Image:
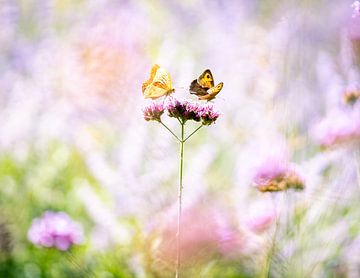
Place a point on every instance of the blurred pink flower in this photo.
(205, 232)
(276, 174)
(55, 229)
(261, 222)
(337, 127)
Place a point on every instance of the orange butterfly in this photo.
(203, 86)
(159, 83)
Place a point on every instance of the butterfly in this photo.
(159, 83)
(203, 86)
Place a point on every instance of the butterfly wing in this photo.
(206, 80)
(160, 84)
(196, 89)
(152, 91)
(212, 92)
(162, 79)
(152, 75)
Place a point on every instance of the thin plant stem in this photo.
(357, 164)
(180, 121)
(193, 133)
(178, 234)
(177, 138)
(269, 257)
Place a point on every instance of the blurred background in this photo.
(73, 137)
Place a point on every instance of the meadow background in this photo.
(73, 137)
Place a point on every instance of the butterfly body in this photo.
(159, 84)
(203, 87)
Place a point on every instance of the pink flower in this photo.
(208, 114)
(186, 110)
(260, 223)
(55, 229)
(205, 232)
(153, 111)
(275, 174)
(337, 128)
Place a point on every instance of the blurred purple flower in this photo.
(337, 128)
(55, 229)
(356, 9)
(186, 110)
(276, 174)
(153, 111)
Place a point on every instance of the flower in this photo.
(197, 243)
(208, 114)
(55, 229)
(277, 175)
(185, 110)
(176, 108)
(351, 96)
(261, 222)
(356, 9)
(338, 127)
(153, 111)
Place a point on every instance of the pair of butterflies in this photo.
(160, 84)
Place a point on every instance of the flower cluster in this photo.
(55, 229)
(337, 128)
(153, 111)
(184, 110)
(276, 175)
(356, 9)
(208, 114)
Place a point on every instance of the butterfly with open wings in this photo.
(203, 87)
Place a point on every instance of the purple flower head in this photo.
(176, 108)
(356, 9)
(153, 111)
(55, 229)
(192, 111)
(338, 127)
(208, 114)
(186, 110)
(276, 175)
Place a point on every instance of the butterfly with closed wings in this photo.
(203, 87)
(159, 84)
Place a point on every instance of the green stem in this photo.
(269, 257)
(181, 163)
(193, 133)
(177, 138)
